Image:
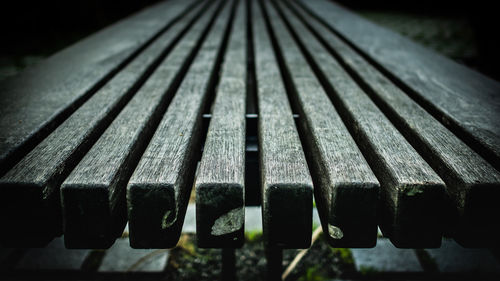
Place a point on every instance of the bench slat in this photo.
(132, 103)
(220, 193)
(412, 193)
(42, 170)
(346, 189)
(465, 101)
(158, 191)
(471, 181)
(93, 195)
(285, 179)
(38, 100)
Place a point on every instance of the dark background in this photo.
(472, 23)
(466, 31)
(43, 27)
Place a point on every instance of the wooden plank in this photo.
(30, 190)
(346, 190)
(471, 181)
(412, 193)
(462, 99)
(35, 102)
(93, 195)
(285, 180)
(159, 189)
(220, 193)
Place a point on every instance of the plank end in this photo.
(155, 220)
(415, 219)
(352, 222)
(287, 215)
(220, 215)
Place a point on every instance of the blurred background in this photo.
(465, 31)
(461, 30)
(32, 30)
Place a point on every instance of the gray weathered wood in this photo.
(93, 195)
(464, 100)
(220, 193)
(346, 190)
(30, 190)
(285, 179)
(159, 189)
(471, 181)
(346, 97)
(33, 103)
(412, 193)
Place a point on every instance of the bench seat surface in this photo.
(378, 130)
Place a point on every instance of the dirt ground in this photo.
(187, 262)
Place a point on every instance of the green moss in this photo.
(345, 255)
(367, 270)
(413, 191)
(253, 236)
(313, 274)
(186, 243)
(315, 225)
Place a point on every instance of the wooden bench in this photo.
(379, 130)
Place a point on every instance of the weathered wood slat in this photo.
(285, 179)
(159, 189)
(220, 186)
(412, 193)
(132, 101)
(346, 190)
(464, 100)
(472, 182)
(30, 190)
(33, 103)
(93, 195)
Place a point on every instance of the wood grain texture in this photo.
(346, 190)
(285, 179)
(83, 119)
(220, 181)
(159, 189)
(93, 195)
(412, 193)
(461, 98)
(472, 183)
(464, 171)
(43, 169)
(33, 103)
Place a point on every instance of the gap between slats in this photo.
(17, 154)
(449, 123)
